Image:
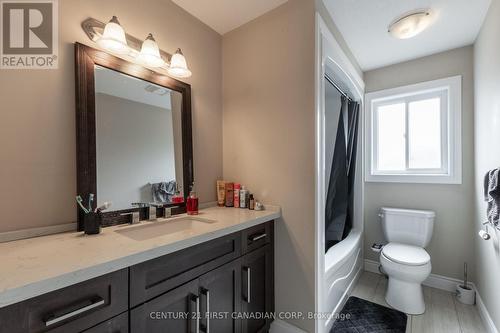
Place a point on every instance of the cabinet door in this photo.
(257, 290)
(220, 299)
(173, 312)
(118, 324)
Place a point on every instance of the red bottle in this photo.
(192, 204)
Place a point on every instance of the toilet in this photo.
(404, 258)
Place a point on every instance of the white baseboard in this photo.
(280, 326)
(433, 281)
(36, 232)
(371, 266)
(485, 315)
(448, 284)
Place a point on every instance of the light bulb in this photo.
(113, 38)
(178, 66)
(410, 25)
(150, 53)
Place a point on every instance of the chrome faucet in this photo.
(152, 213)
(168, 211)
(152, 207)
(135, 217)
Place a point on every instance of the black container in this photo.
(92, 223)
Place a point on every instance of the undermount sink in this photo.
(148, 230)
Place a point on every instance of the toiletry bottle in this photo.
(237, 188)
(221, 193)
(192, 203)
(251, 202)
(243, 197)
(229, 194)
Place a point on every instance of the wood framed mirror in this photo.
(133, 135)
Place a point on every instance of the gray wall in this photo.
(452, 241)
(268, 123)
(487, 153)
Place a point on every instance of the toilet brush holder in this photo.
(465, 294)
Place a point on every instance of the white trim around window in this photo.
(449, 92)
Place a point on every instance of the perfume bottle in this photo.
(192, 202)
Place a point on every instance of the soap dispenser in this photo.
(192, 202)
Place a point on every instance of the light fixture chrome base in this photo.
(94, 28)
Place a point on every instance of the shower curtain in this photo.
(339, 210)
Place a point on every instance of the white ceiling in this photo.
(364, 23)
(226, 15)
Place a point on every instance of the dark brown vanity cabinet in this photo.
(71, 309)
(235, 297)
(225, 285)
(257, 289)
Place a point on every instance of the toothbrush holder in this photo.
(92, 223)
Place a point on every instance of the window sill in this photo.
(414, 179)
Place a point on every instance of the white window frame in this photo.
(450, 92)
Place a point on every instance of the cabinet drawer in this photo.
(257, 236)
(157, 276)
(71, 309)
(118, 324)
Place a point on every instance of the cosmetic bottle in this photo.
(243, 197)
(221, 193)
(192, 203)
(229, 194)
(236, 200)
(251, 202)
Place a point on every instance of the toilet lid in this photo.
(406, 254)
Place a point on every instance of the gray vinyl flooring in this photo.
(443, 312)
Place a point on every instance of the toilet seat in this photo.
(406, 254)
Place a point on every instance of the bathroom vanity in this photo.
(152, 268)
(158, 283)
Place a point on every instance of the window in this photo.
(413, 133)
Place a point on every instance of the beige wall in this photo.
(268, 89)
(38, 173)
(487, 154)
(452, 241)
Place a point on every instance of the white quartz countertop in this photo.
(32, 267)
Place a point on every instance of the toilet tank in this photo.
(407, 226)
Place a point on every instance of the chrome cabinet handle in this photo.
(94, 303)
(256, 238)
(206, 292)
(196, 300)
(249, 275)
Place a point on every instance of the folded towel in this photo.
(492, 195)
(163, 192)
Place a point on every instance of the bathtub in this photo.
(343, 263)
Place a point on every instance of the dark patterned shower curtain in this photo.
(339, 210)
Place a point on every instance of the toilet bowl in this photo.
(407, 267)
(404, 258)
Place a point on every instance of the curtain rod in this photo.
(338, 88)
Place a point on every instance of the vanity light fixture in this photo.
(150, 53)
(410, 24)
(178, 65)
(113, 38)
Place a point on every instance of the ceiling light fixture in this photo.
(113, 38)
(410, 24)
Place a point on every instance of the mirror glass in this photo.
(138, 141)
